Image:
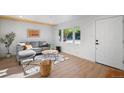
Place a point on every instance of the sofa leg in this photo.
(34, 58)
(19, 63)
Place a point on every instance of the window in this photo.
(77, 35)
(60, 35)
(68, 35)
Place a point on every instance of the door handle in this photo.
(97, 43)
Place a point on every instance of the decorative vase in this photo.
(8, 55)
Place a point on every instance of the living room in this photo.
(74, 35)
(61, 46)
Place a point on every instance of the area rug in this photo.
(59, 58)
(33, 66)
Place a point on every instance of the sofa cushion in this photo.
(37, 50)
(35, 44)
(21, 44)
(40, 43)
(26, 53)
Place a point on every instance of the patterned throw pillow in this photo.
(27, 46)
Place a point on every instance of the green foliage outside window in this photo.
(77, 33)
(68, 34)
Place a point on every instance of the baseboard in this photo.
(109, 66)
(80, 57)
(1, 56)
(4, 55)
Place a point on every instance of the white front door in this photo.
(109, 42)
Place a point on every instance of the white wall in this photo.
(87, 47)
(20, 29)
(0, 43)
(123, 40)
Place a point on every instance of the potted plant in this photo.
(7, 41)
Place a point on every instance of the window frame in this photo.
(73, 35)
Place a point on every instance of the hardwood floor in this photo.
(81, 68)
(74, 67)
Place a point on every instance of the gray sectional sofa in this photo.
(37, 47)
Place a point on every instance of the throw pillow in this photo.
(27, 46)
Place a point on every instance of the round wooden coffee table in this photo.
(50, 53)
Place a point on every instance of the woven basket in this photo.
(45, 68)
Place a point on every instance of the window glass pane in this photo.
(68, 35)
(77, 35)
(60, 35)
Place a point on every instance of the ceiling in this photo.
(50, 19)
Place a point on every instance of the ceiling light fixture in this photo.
(21, 16)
